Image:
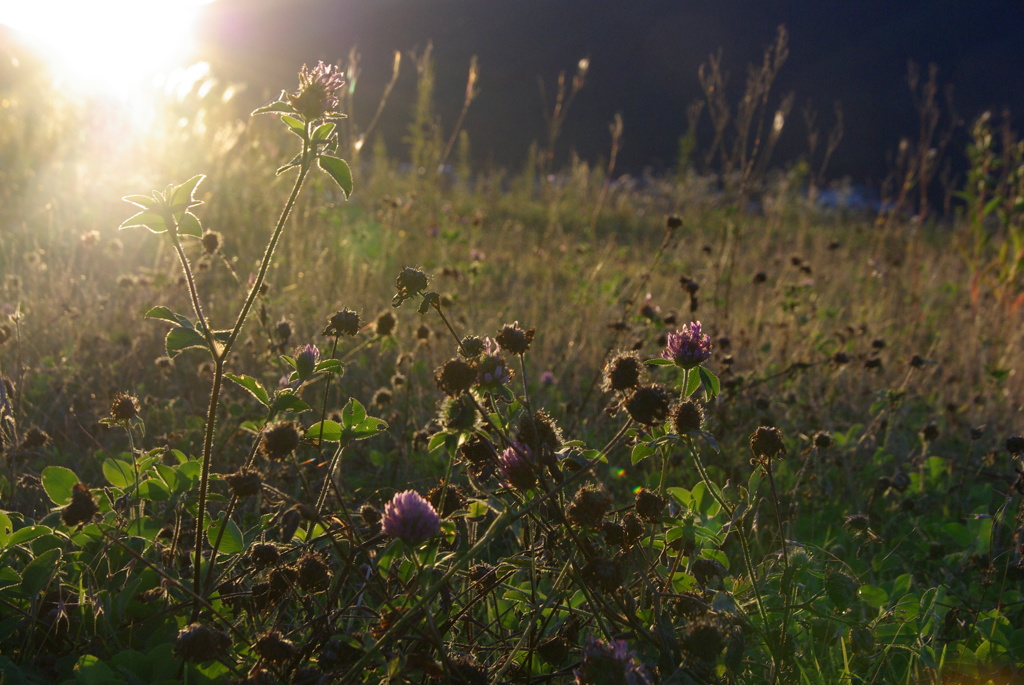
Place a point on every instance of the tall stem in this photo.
(219, 358)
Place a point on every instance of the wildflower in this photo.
(411, 518)
(344, 322)
(458, 414)
(471, 347)
(212, 241)
(279, 440)
(516, 466)
(314, 575)
(648, 404)
(244, 482)
(264, 553)
(649, 504)
(317, 96)
(455, 377)
(306, 359)
(410, 282)
(766, 444)
(687, 416)
(384, 325)
(622, 373)
(688, 347)
(514, 340)
(199, 642)
(125, 407)
(82, 507)
(492, 371)
(589, 506)
(273, 647)
(547, 378)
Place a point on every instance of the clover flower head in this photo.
(306, 359)
(516, 466)
(318, 91)
(492, 371)
(411, 518)
(688, 347)
(610, 662)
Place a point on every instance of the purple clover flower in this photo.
(493, 371)
(318, 91)
(613, 662)
(688, 347)
(517, 467)
(306, 359)
(411, 518)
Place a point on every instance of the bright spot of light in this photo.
(112, 47)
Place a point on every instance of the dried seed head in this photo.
(930, 432)
(513, 339)
(125, 407)
(410, 282)
(610, 662)
(1015, 445)
(283, 330)
(199, 642)
(483, 576)
(384, 324)
(606, 574)
(244, 482)
(314, 575)
(632, 527)
(706, 570)
(454, 499)
(766, 444)
(673, 221)
(589, 506)
(540, 432)
(480, 455)
(273, 647)
(687, 416)
(455, 377)
(458, 414)
(472, 347)
(370, 514)
(623, 372)
(212, 240)
(704, 638)
(279, 440)
(382, 397)
(649, 404)
(823, 440)
(81, 509)
(344, 322)
(264, 553)
(34, 439)
(517, 466)
(649, 504)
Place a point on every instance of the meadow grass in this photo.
(835, 497)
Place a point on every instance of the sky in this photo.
(644, 58)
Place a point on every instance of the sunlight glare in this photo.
(112, 47)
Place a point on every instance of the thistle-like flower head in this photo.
(410, 517)
(688, 347)
(317, 96)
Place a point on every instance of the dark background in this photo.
(644, 59)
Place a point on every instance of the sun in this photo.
(112, 47)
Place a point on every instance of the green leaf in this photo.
(331, 431)
(37, 574)
(873, 595)
(180, 338)
(118, 473)
(8, 577)
(154, 491)
(295, 125)
(323, 131)
(330, 366)
(144, 201)
(231, 542)
(289, 401)
(58, 482)
(370, 427)
(692, 383)
(279, 106)
(189, 225)
(641, 451)
(339, 171)
(252, 385)
(710, 383)
(181, 197)
(6, 528)
(165, 314)
(27, 533)
(154, 222)
(659, 362)
(353, 414)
